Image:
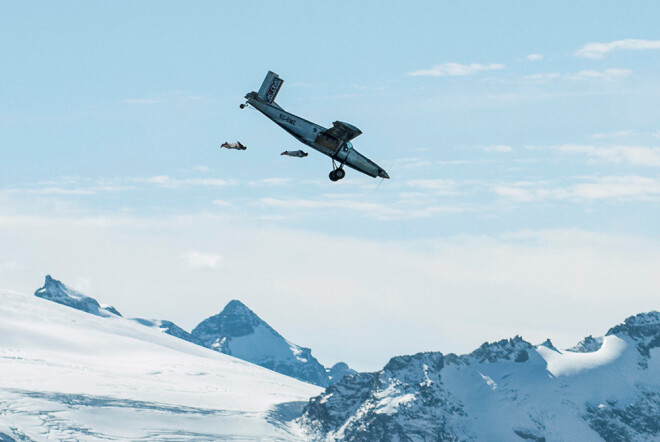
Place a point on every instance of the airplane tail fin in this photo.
(270, 87)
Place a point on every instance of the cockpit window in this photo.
(349, 145)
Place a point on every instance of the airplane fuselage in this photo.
(315, 136)
(304, 131)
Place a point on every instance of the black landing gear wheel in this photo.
(337, 174)
(242, 106)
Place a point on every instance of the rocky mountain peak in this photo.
(487, 395)
(515, 349)
(55, 291)
(588, 345)
(643, 328)
(338, 371)
(239, 332)
(234, 321)
(433, 360)
(642, 324)
(237, 306)
(407, 393)
(548, 344)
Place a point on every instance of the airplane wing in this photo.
(342, 131)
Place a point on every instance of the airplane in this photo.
(333, 142)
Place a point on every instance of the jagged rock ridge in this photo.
(603, 389)
(56, 291)
(588, 345)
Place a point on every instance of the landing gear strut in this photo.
(337, 172)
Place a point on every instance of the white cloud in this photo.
(411, 163)
(398, 290)
(139, 101)
(87, 186)
(634, 155)
(497, 148)
(222, 203)
(438, 186)
(202, 168)
(615, 134)
(542, 78)
(622, 188)
(52, 191)
(396, 210)
(598, 50)
(59, 190)
(625, 187)
(9, 266)
(269, 182)
(456, 69)
(169, 182)
(519, 193)
(456, 162)
(607, 74)
(376, 210)
(534, 57)
(197, 259)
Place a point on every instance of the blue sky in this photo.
(510, 129)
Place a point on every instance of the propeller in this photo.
(388, 170)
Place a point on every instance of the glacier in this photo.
(69, 375)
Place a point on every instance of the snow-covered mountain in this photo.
(603, 389)
(69, 375)
(54, 290)
(239, 332)
(236, 331)
(66, 374)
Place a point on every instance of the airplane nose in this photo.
(383, 174)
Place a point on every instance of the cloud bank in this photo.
(383, 298)
(598, 50)
(456, 69)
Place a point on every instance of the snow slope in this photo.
(239, 332)
(504, 391)
(168, 327)
(69, 375)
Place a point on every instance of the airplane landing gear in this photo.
(337, 173)
(242, 106)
